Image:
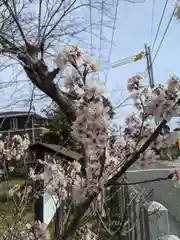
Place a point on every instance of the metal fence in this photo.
(145, 219)
(141, 218)
(133, 214)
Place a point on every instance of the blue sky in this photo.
(133, 30)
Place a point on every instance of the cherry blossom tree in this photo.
(91, 127)
(81, 101)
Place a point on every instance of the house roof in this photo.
(19, 113)
(56, 149)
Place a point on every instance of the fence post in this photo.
(156, 220)
(57, 224)
(39, 203)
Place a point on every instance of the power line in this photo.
(101, 29)
(152, 21)
(165, 32)
(124, 60)
(90, 16)
(162, 16)
(112, 38)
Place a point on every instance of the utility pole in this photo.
(151, 68)
(120, 130)
(32, 124)
(33, 133)
(149, 65)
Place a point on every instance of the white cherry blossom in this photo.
(94, 89)
(61, 60)
(175, 175)
(36, 231)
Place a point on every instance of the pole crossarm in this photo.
(124, 61)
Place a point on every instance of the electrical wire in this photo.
(160, 22)
(124, 60)
(90, 18)
(163, 37)
(112, 38)
(119, 64)
(152, 21)
(101, 30)
(165, 32)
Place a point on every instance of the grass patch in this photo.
(51, 231)
(17, 181)
(9, 207)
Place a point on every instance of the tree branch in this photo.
(49, 87)
(14, 16)
(80, 211)
(117, 175)
(135, 156)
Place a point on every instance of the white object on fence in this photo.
(157, 219)
(50, 205)
(169, 237)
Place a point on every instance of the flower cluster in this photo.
(133, 83)
(84, 233)
(16, 190)
(136, 133)
(57, 179)
(160, 102)
(15, 148)
(38, 231)
(53, 177)
(92, 124)
(175, 176)
(13, 190)
(13, 152)
(91, 127)
(35, 231)
(64, 57)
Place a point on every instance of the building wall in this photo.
(36, 133)
(33, 125)
(21, 122)
(4, 124)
